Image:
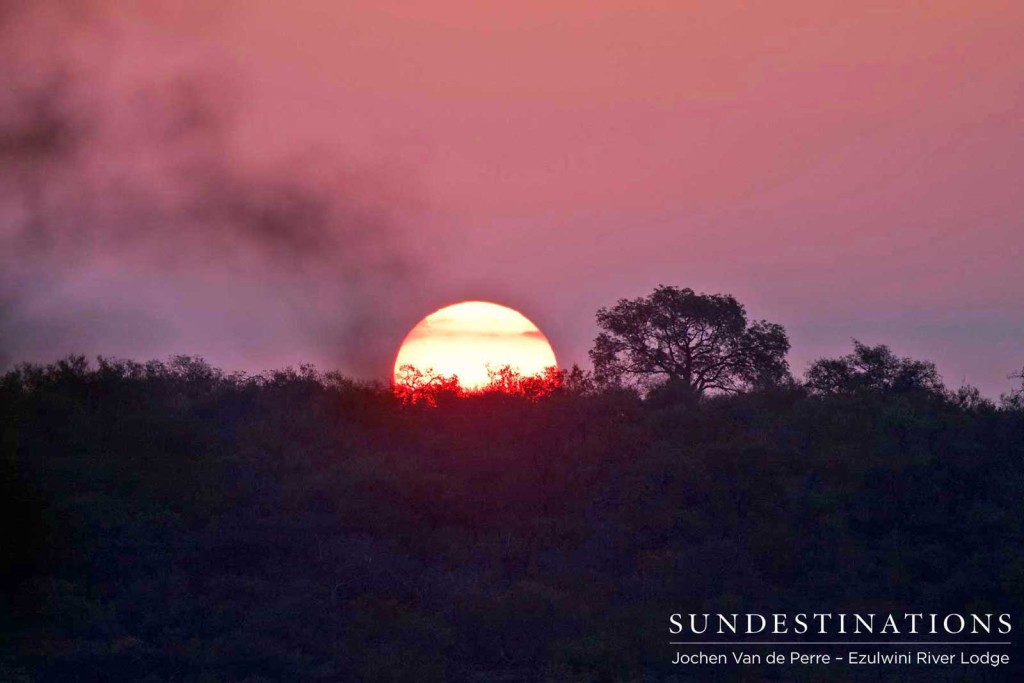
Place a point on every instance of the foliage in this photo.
(413, 385)
(694, 343)
(875, 369)
(176, 523)
(1015, 399)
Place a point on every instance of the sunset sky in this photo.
(846, 169)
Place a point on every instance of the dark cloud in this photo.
(113, 178)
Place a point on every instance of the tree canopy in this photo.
(872, 368)
(696, 342)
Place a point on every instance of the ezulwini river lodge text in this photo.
(852, 658)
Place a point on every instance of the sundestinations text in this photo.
(841, 623)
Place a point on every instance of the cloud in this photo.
(111, 184)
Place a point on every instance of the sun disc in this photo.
(467, 339)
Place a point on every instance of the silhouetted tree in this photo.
(687, 342)
(508, 380)
(413, 385)
(1015, 399)
(872, 369)
(577, 382)
(969, 397)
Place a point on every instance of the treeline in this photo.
(170, 522)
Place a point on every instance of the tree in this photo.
(872, 369)
(694, 343)
(414, 386)
(1014, 401)
(508, 380)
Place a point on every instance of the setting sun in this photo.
(468, 338)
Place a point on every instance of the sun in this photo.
(468, 338)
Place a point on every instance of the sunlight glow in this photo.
(465, 339)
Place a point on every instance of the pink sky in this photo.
(843, 168)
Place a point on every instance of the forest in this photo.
(168, 521)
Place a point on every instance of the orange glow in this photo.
(467, 339)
